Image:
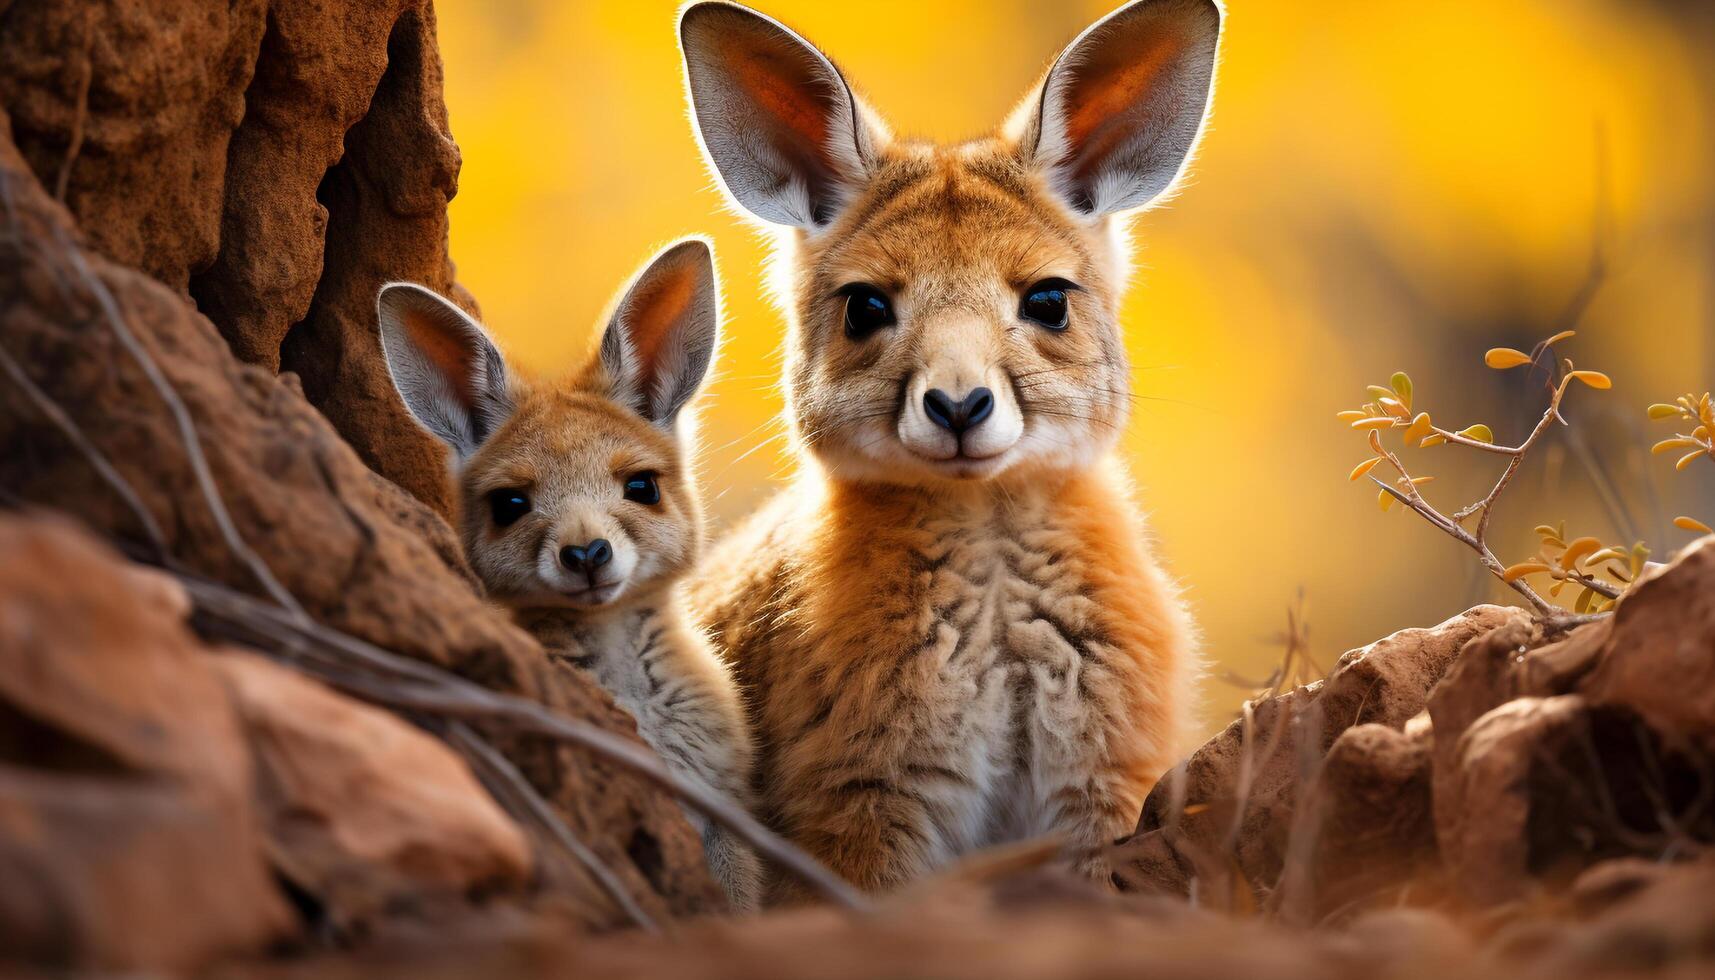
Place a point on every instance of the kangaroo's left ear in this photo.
(1120, 111)
(661, 339)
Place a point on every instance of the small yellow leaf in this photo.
(1432, 440)
(1419, 428)
(1195, 808)
(1545, 531)
(1418, 481)
(1515, 572)
(1350, 415)
(1557, 338)
(1609, 553)
(1478, 432)
(1685, 460)
(1364, 467)
(1692, 524)
(1583, 603)
(1660, 411)
(1378, 392)
(1576, 551)
(1385, 499)
(1373, 423)
(1501, 358)
(1666, 445)
(1402, 387)
(1594, 379)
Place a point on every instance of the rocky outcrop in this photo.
(128, 835)
(275, 160)
(1472, 762)
(361, 809)
(1232, 806)
(123, 405)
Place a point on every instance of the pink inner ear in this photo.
(1108, 89)
(782, 91)
(655, 308)
(450, 354)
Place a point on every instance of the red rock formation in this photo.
(153, 184)
(275, 161)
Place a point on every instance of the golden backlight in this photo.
(1382, 186)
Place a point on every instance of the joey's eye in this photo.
(640, 488)
(867, 310)
(507, 506)
(1045, 303)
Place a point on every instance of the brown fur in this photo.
(946, 651)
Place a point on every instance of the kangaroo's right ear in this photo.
(447, 370)
(658, 347)
(777, 120)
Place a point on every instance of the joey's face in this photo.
(956, 323)
(577, 502)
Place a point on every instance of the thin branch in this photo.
(187, 435)
(485, 757)
(417, 686)
(79, 122)
(98, 462)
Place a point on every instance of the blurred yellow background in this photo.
(1383, 186)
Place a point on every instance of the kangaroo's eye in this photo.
(1045, 303)
(640, 488)
(507, 506)
(867, 310)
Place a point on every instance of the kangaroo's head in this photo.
(577, 492)
(954, 308)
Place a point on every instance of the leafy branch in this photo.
(1391, 408)
(1700, 413)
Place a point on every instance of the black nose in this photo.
(957, 416)
(587, 558)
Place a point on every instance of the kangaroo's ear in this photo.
(777, 120)
(447, 370)
(1120, 111)
(658, 347)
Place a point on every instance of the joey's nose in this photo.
(958, 416)
(587, 558)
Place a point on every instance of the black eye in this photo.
(867, 310)
(507, 506)
(640, 488)
(1045, 303)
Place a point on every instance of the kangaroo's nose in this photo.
(958, 416)
(587, 558)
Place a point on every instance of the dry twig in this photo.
(411, 685)
(509, 785)
(1392, 409)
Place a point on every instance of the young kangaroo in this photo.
(950, 630)
(579, 510)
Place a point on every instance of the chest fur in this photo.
(976, 660)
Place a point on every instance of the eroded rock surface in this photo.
(277, 160)
(362, 808)
(360, 555)
(1473, 763)
(128, 837)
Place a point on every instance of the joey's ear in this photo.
(777, 120)
(447, 370)
(659, 344)
(1120, 111)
